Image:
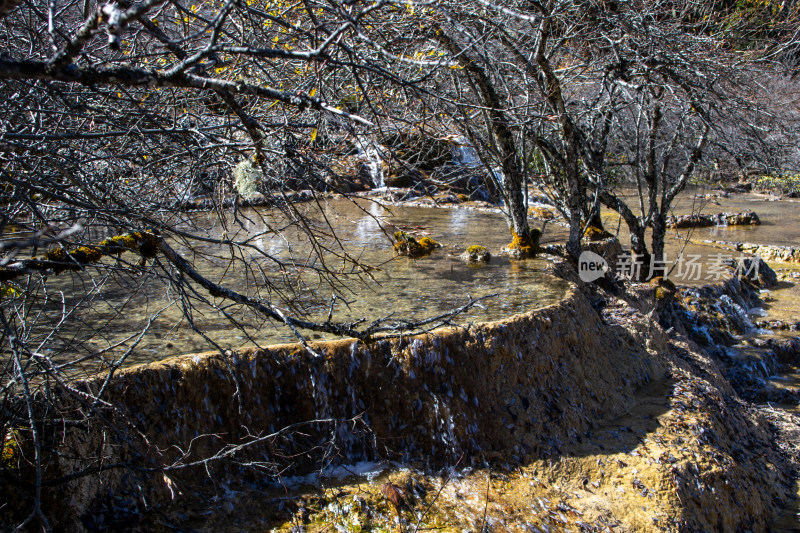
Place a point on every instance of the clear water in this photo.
(121, 304)
(780, 225)
(396, 287)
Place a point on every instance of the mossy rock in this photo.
(476, 254)
(593, 234)
(408, 245)
(664, 288)
(541, 212)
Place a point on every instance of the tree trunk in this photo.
(657, 244)
(515, 204)
(575, 202)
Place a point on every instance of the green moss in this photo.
(594, 233)
(119, 243)
(10, 453)
(476, 254)
(143, 242)
(86, 254)
(783, 183)
(664, 288)
(56, 254)
(428, 244)
(402, 236)
(407, 244)
(8, 290)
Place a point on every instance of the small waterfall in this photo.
(464, 154)
(374, 162)
(735, 314)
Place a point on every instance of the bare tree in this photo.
(592, 91)
(117, 120)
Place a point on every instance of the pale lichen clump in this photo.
(246, 178)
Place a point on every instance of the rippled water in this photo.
(399, 287)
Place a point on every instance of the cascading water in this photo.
(464, 154)
(735, 314)
(374, 162)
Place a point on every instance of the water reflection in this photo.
(123, 304)
(368, 226)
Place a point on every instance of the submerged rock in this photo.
(745, 218)
(476, 254)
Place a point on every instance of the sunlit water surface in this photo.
(396, 288)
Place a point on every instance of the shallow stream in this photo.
(121, 307)
(394, 287)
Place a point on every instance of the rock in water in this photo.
(476, 254)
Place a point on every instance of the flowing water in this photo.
(404, 287)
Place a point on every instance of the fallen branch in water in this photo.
(346, 329)
(148, 244)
